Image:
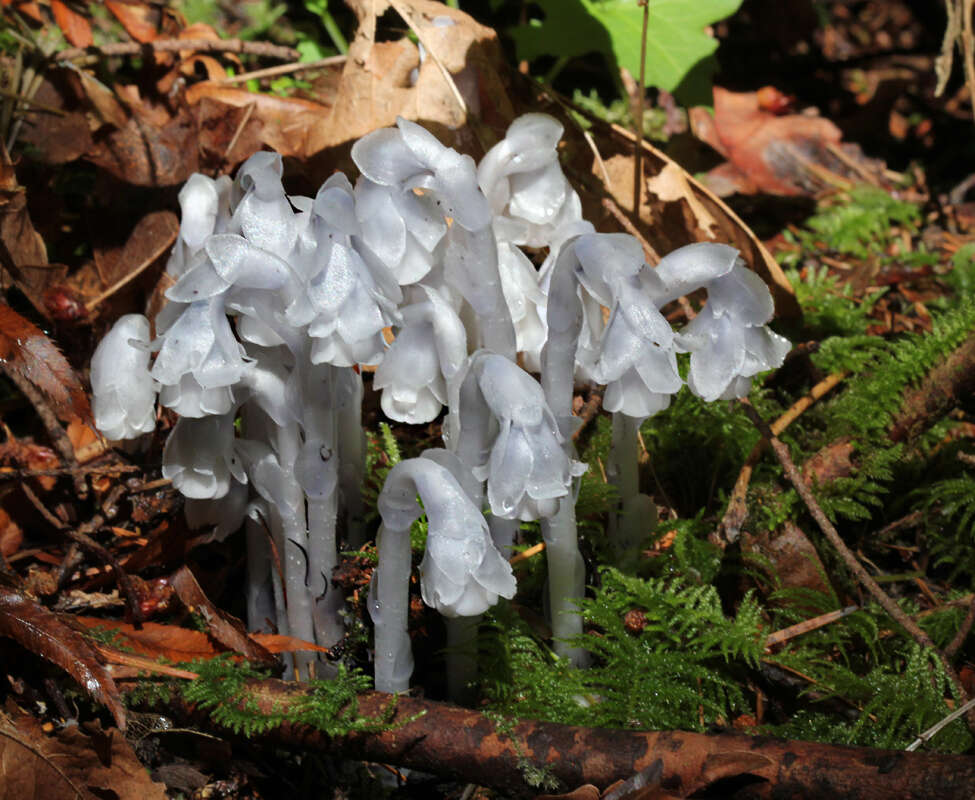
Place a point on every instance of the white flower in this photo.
(409, 157)
(523, 181)
(199, 457)
(507, 420)
(428, 350)
(462, 572)
(729, 341)
(124, 392)
(200, 342)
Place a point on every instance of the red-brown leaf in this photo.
(42, 632)
(73, 25)
(26, 351)
(225, 628)
(181, 645)
(136, 18)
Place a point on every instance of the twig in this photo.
(963, 631)
(865, 578)
(282, 69)
(133, 274)
(524, 555)
(13, 473)
(177, 45)
(240, 129)
(734, 517)
(58, 435)
(930, 732)
(785, 634)
(81, 537)
(638, 122)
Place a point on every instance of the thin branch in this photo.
(865, 578)
(963, 631)
(58, 435)
(282, 69)
(737, 511)
(638, 122)
(177, 45)
(81, 536)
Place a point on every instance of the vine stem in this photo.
(638, 122)
(865, 578)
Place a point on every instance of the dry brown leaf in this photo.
(11, 536)
(793, 556)
(148, 243)
(69, 765)
(224, 627)
(23, 244)
(285, 124)
(673, 219)
(74, 26)
(463, 66)
(44, 634)
(783, 154)
(138, 19)
(103, 100)
(26, 351)
(181, 645)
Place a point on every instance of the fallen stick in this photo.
(472, 747)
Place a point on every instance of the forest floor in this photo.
(820, 590)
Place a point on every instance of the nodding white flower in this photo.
(729, 341)
(636, 359)
(523, 181)
(503, 429)
(261, 211)
(409, 157)
(462, 572)
(204, 205)
(124, 392)
(201, 343)
(429, 349)
(402, 229)
(199, 457)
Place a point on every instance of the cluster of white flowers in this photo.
(276, 299)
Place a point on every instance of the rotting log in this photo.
(468, 746)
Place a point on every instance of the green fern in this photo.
(678, 670)
(331, 706)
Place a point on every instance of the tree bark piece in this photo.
(469, 746)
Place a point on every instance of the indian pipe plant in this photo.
(278, 300)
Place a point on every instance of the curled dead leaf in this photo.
(27, 354)
(43, 633)
(69, 765)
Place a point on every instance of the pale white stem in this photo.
(323, 558)
(294, 528)
(566, 579)
(352, 450)
(389, 605)
(260, 592)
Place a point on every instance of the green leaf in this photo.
(676, 37)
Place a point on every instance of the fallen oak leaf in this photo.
(74, 26)
(45, 634)
(182, 645)
(225, 628)
(26, 354)
(781, 154)
(70, 764)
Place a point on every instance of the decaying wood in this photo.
(469, 746)
(937, 393)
